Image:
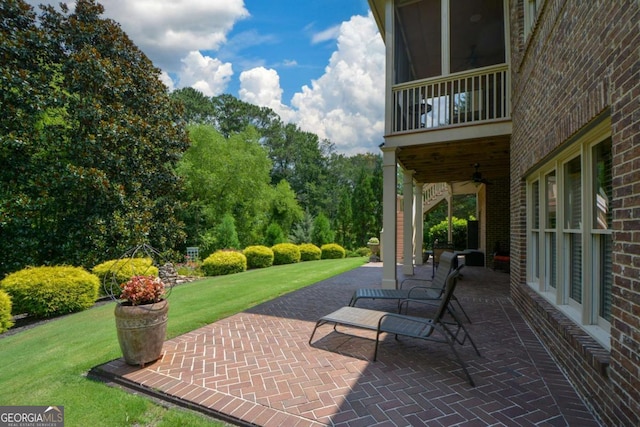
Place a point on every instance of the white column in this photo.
(418, 239)
(407, 231)
(389, 36)
(389, 218)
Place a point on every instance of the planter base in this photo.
(141, 331)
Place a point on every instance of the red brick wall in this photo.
(580, 63)
(497, 222)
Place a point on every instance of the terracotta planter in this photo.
(141, 331)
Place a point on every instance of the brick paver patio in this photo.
(257, 368)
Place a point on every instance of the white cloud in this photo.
(166, 79)
(328, 34)
(261, 86)
(209, 75)
(167, 30)
(346, 104)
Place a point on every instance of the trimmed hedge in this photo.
(5, 311)
(224, 262)
(258, 256)
(50, 291)
(285, 253)
(362, 252)
(123, 269)
(333, 251)
(309, 252)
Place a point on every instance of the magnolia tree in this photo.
(90, 139)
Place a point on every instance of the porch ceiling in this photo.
(454, 161)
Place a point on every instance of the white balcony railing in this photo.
(468, 97)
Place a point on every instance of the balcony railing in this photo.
(474, 96)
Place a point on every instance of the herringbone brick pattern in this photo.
(257, 367)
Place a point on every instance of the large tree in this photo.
(233, 116)
(300, 158)
(26, 79)
(96, 152)
(198, 108)
(226, 176)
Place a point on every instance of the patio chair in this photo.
(438, 250)
(435, 329)
(433, 292)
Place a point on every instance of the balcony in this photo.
(471, 97)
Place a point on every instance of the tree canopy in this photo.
(90, 138)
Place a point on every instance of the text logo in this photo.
(31, 416)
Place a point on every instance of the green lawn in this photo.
(47, 365)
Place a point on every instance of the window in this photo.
(570, 245)
(534, 248)
(602, 189)
(550, 231)
(572, 230)
(531, 11)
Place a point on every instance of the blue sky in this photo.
(317, 63)
(287, 29)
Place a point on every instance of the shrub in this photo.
(49, 291)
(258, 256)
(441, 230)
(190, 268)
(5, 311)
(332, 251)
(362, 252)
(227, 236)
(221, 263)
(274, 235)
(285, 253)
(121, 270)
(309, 252)
(321, 233)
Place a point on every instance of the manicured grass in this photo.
(47, 365)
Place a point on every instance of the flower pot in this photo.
(374, 248)
(141, 331)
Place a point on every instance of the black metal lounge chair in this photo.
(420, 292)
(435, 329)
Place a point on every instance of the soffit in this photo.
(454, 161)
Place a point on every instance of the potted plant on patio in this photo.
(142, 308)
(374, 247)
(141, 319)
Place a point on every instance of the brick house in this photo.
(533, 105)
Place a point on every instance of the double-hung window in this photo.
(570, 247)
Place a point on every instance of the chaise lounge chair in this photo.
(435, 329)
(425, 293)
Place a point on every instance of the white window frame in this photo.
(531, 12)
(549, 264)
(534, 234)
(594, 234)
(584, 313)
